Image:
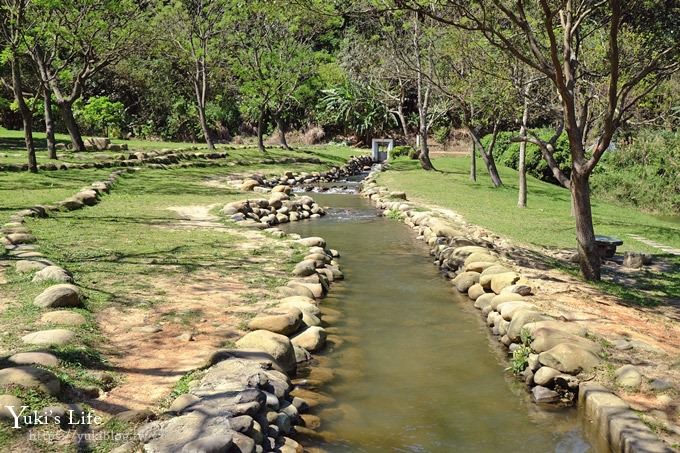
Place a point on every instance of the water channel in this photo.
(417, 371)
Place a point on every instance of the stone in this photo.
(11, 401)
(484, 300)
(497, 269)
(475, 291)
(545, 375)
(399, 195)
(465, 280)
(543, 395)
(660, 385)
(569, 359)
(20, 238)
(53, 273)
(313, 241)
(500, 281)
(547, 338)
(31, 377)
(316, 289)
(249, 184)
(479, 266)
(522, 290)
(182, 403)
(284, 324)
(301, 354)
(521, 318)
(636, 260)
(54, 337)
(304, 268)
(295, 291)
(209, 444)
(481, 257)
(64, 295)
(63, 317)
(312, 339)
(34, 358)
(508, 309)
(26, 266)
(71, 204)
(497, 299)
(628, 376)
(277, 346)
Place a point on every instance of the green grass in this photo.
(545, 222)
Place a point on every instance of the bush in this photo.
(643, 172)
(507, 154)
(401, 151)
(313, 135)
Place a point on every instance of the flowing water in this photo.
(417, 371)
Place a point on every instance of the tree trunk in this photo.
(473, 163)
(71, 125)
(26, 115)
(260, 133)
(424, 156)
(402, 120)
(522, 166)
(282, 132)
(487, 157)
(204, 126)
(589, 257)
(49, 124)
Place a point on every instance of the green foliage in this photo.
(401, 151)
(355, 109)
(100, 114)
(507, 154)
(643, 171)
(520, 359)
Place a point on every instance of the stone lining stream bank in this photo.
(555, 358)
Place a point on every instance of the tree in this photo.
(13, 16)
(195, 31)
(73, 40)
(101, 113)
(273, 57)
(561, 40)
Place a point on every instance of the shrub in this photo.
(414, 154)
(643, 172)
(507, 154)
(401, 151)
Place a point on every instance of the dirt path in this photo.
(152, 348)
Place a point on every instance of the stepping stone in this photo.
(64, 317)
(20, 238)
(52, 273)
(11, 401)
(25, 266)
(34, 358)
(31, 377)
(284, 324)
(55, 337)
(64, 295)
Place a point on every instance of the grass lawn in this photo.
(545, 222)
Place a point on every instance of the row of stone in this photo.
(245, 400)
(259, 183)
(152, 159)
(31, 369)
(553, 355)
(278, 208)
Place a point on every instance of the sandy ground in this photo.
(152, 348)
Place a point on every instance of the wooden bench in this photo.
(606, 245)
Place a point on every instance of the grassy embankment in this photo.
(545, 222)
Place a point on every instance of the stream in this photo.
(417, 370)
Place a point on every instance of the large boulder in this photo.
(547, 338)
(522, 318)
(249, 184)
(285, 324)
(312, 339)
(500, 281)
(64, 295)
(465, 280)
(26, 266)
(53, 273)
(31, 378)
(277, 346)
(569, 358)
(34, 358)
(508, 309)
(313, 241)
(56, 337)
(480, 257)
(304, 268)
(475, 291)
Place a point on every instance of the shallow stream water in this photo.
(417, 371)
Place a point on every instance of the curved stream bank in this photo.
(414, 370)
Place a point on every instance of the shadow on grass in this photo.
(18, 144)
